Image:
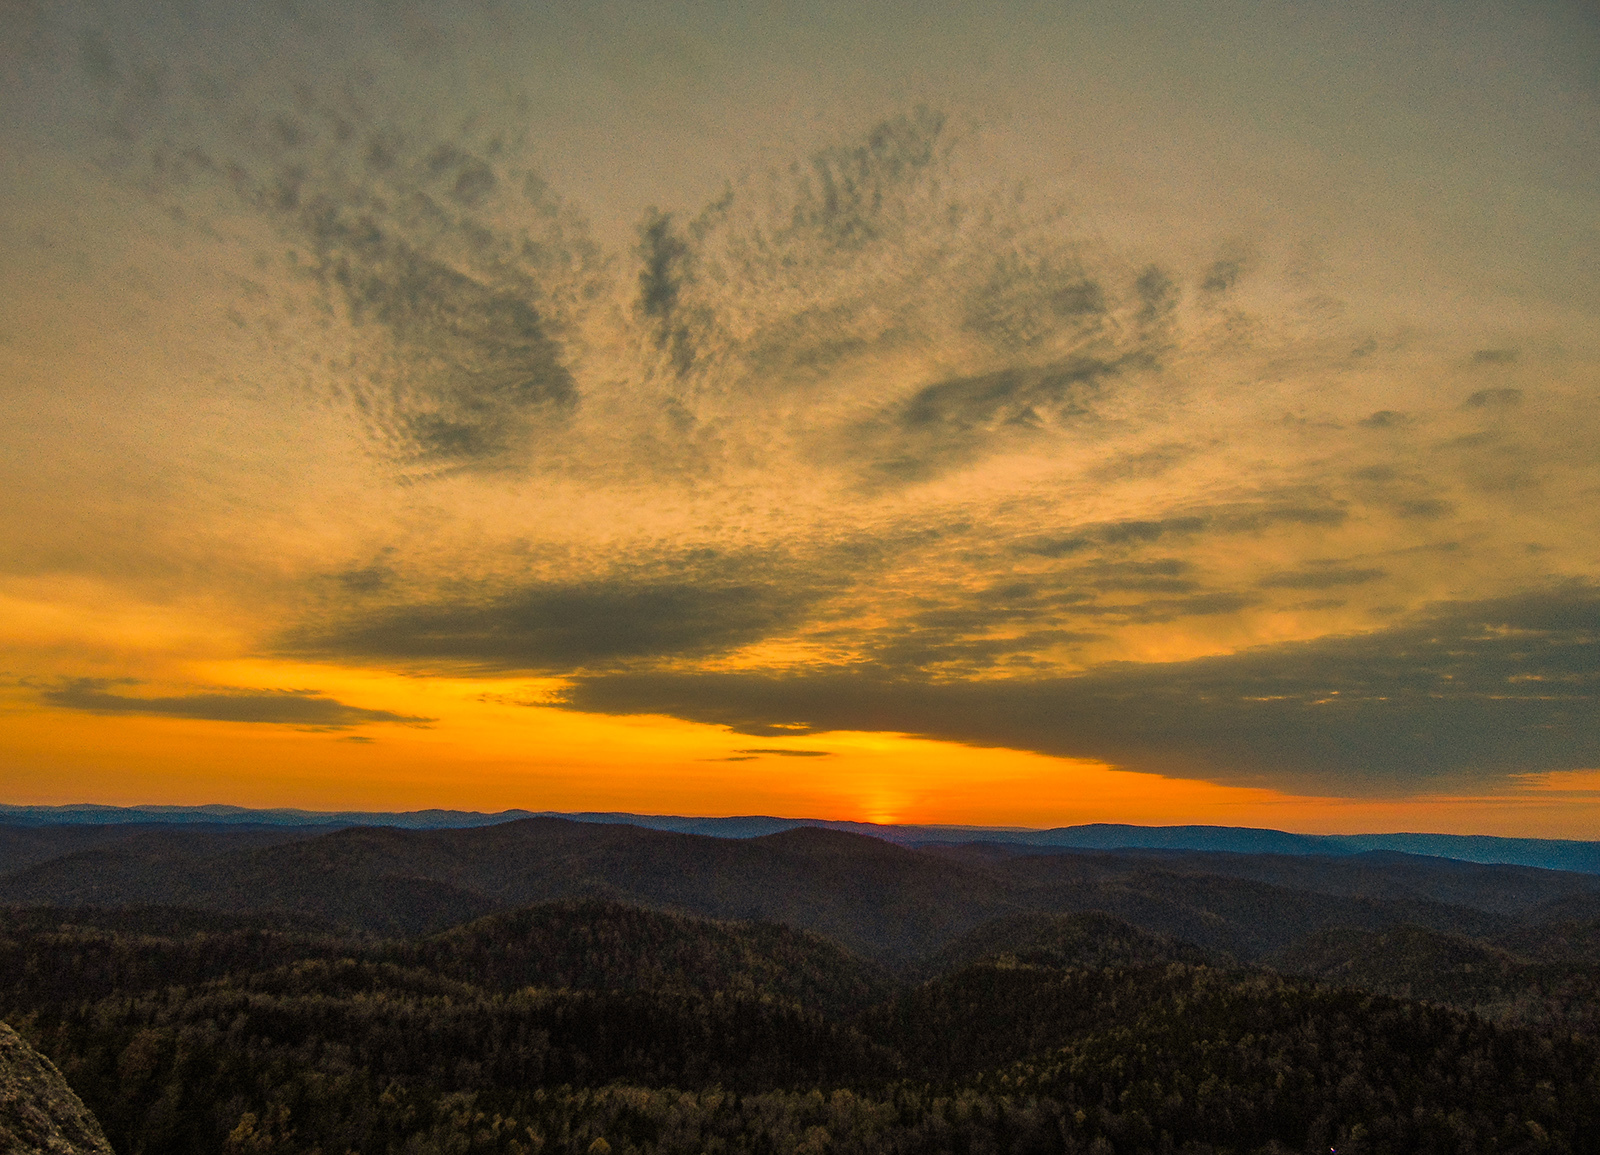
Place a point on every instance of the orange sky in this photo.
(494, 754)
(988, 417)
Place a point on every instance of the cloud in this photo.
(559, 626)
(789, 753)
(763, 752)
(844, 597)
(1494, 398)
(765, 286)
(854, 195)
(1470, 692)
(458, 277)
(1144, 463)
(763, 311)
(303, 708)
(1242, 518)
(1223, 274)
(1028, 299)
(1172, 609)
(949, 423)
(367, 579)
(476, 365)
(1321, 577)
(1385, 419)
(1010, 397)
(1159, 575)
(1424, 508)
(666, 260)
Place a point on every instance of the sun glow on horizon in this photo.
(490, 745)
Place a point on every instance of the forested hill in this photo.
(594, 1027)
(891, 903)
(552, 986)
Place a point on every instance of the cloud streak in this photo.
(560, 626)
(307, 709)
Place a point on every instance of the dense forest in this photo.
(591, 1026)
(544, 988)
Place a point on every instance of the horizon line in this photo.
(512, 814)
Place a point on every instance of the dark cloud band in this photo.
(1467, 695)
(274, 707)
(565, 626)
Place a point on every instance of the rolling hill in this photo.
(893, 903)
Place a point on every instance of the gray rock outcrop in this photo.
(39, 1113)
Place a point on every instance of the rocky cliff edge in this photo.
(39, 1113)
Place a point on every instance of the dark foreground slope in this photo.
(889, 902)
(591, 1027)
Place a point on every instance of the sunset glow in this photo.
(955, 415)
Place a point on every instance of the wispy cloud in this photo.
(788, 753)
(302, 708)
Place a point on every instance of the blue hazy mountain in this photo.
(1547, 853)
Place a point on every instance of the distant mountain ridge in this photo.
(893, 903)
(1545, 853)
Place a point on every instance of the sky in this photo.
(1007, 414)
